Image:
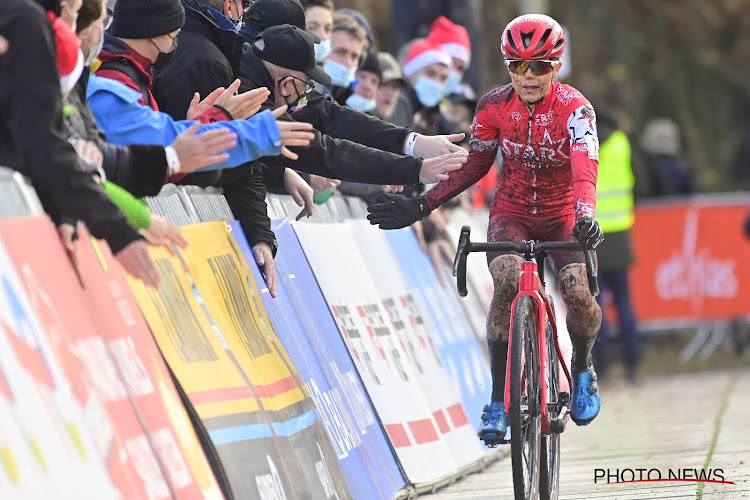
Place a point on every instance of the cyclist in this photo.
(546, 133)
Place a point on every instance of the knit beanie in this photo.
(372, 64)
(138, 19)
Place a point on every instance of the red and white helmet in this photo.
(533, 36)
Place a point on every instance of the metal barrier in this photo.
(17, 197)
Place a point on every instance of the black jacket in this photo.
(31, 128)
(348, 145)
(140, 169)
(208, 57)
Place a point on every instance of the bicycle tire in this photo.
(525, 424)
(549, 476)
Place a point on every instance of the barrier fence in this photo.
(362, 379)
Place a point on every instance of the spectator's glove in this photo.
(394, 211)
(747, 226)
(588, 233)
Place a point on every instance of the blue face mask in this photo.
(428, 91)
(340, 74)
(451, 83)
(356, 101)
(322, 50)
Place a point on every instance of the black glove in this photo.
(394, 211)
(588, 233)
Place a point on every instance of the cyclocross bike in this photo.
(538, 407)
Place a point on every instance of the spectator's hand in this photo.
(242, 106)
(292, 133)
(161, 232)
(588, 233)
(135, 259)
(430, 146)
(322, 184)
(394, 211)
(198, 151)
(198, 107)
(437, 169)
(3, 45)
(264, 258)
(393, 188)
(300, 190)
(89, 152)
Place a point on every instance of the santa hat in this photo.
(451, 37)
(424, 53)
(69, 55)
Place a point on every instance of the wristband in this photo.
(410, 142)
(173, 161)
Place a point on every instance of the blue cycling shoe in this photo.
(494, 424)
(585, 403)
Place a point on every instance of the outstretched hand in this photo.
(394, 211)
(430, 146)
(437, 169)
(292, 133)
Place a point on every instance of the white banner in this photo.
(377, 351)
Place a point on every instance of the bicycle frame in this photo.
(530, 283)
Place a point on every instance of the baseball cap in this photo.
(262, 14)
(390, 68)
(292, 48)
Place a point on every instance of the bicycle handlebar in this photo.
(527, 248)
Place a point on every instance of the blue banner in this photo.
(459, 348)
(304, 325)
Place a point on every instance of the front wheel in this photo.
(525, 412)
(549, 479)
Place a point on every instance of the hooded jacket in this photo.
(31, 130)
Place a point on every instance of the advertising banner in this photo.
(64, 429)
(441, 393)
(146, 376)
(233, 301)
(377, 352)
(305, 327)
(460, 350)
(691, 262)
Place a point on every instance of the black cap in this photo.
(136, 19)
(263, 14)
(372, 64)
(292, 48)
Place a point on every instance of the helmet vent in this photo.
(544, 39)
(526, 38)
(511, 42)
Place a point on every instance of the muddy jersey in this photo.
(550, 155)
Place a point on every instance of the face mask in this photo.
(164, 58)
(451, 83)
(322, 50)
(356, 101)
(429, 92)
(94, 51)
(340, 74)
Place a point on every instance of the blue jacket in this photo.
(125, 121)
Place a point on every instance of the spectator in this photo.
(661, 144)
(319, 22)
(391, 84)
(427, 68)
(614, 212)
(347, 48)
(121, 98)
(459, 111)
(262, 14)
(31, 138)
(454, 39)
(364, 97)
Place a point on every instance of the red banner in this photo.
(691, 262)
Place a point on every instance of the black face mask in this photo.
(290, 100)
(164, 58)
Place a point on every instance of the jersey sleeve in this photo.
(584, 157)
(483, 147)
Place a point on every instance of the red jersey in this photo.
(550, 155)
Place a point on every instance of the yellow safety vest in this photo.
(614, 188)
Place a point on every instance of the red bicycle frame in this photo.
(529, 286)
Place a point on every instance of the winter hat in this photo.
(146, 18)
(390, 68)
(69, 55)
(424, 53)
(263, 14)
(451, 37)
(372, 64)
(362, 21)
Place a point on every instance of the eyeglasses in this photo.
(308, 85)
(538, 66)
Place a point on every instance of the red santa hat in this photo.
(69, 55)
(451, 37)
(424, 53)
